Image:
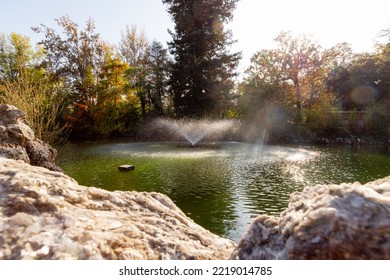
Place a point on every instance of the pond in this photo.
(221, 186)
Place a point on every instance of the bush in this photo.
(323, 121)
(40, 100)
(377, 120)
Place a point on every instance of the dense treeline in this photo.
(75, 81)
(300, 90)
(96, 88)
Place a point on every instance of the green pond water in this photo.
(221, 186)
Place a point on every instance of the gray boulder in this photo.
(17, 140)
(347, 221)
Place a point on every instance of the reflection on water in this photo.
(222, 186)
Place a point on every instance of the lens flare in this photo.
(363, 95)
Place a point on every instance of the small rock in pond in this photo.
(126, 167)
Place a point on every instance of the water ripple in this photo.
(222, 185)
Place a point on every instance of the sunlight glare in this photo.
(257, 23)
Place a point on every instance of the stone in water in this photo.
(126, 167)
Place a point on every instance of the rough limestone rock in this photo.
(47, 215)
(347, 221)
(17, 140)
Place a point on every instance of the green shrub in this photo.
(376, 120)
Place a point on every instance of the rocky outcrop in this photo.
(17, 140)
(47, 215)
(347, 221)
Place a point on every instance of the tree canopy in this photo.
(203, 70)
(318, 91)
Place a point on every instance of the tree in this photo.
(266, 100)
(301, 65)
(264, 82)
(112, 81)
(158, 76)
(202, 74)
(296, 79)
(74, 58)
(337, 62)
(293, 72)
(117, 105)
(134, 49)
(17, 55)
(383, 53)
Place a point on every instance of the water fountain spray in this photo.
(195, 131)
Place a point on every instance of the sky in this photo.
(255, 25)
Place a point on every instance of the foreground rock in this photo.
(347, 221)
(17, 140)
(47, 215)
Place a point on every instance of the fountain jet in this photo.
(195, 131)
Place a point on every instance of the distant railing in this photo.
(353, 120)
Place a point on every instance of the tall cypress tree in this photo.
(203, 71)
